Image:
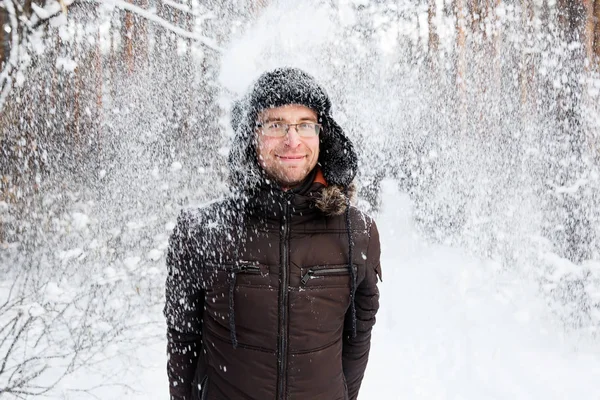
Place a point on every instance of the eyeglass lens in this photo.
(303, 129)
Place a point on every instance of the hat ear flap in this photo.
(237, 114)
(337, 157)
(244, 170)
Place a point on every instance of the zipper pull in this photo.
(246, 268)
(237, 268)
(306, 277)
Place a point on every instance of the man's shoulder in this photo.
(361, 221)
(208, 215)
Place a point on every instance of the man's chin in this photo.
(290, 181)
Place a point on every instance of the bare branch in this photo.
(7, 304)
(178, 6)
(6, 80)
(14, 322)
(15, 341)
(151, 16)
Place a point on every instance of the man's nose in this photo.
(292, 139)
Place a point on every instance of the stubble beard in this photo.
(283, 177)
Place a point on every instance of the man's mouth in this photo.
(290, 158)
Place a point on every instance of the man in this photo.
(272, 292)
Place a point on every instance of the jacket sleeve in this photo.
(183, 311)
(355, 352)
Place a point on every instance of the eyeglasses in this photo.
(279, 129)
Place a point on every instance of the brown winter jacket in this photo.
(258, 296)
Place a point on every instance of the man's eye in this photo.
(307, 125)
(274, 125)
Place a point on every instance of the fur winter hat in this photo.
(280, 87)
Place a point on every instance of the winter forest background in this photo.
(480, 117)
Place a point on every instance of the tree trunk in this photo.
(597, 31)
(127, 37)
(2, 188)
(27, 8)
(526, 67)
(434, 39)
(189, 115)
(113, 66)
(3, 36)
(158, 32)
(99, 78)
(588, 38)
(135, 37)
(141, 35)
(166, 48)
(493, 44)
(572, 138)
(77, 110)
(461, 40)
(461, 62)
(476, 8)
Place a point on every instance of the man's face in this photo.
(288, 159)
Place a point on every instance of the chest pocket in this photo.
(244, 273)
(328, 276)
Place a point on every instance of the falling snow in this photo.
(479, 161)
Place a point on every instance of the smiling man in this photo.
(272, 292)
(288, 151)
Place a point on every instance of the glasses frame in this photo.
(286, 126)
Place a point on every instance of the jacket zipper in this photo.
(242, 266)
(312, 273)
(283, 295)
(251, 269)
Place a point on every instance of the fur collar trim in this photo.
(332, 200)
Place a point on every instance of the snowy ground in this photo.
(450, 327)
(453, 327)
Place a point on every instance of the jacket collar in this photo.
(311, 198)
